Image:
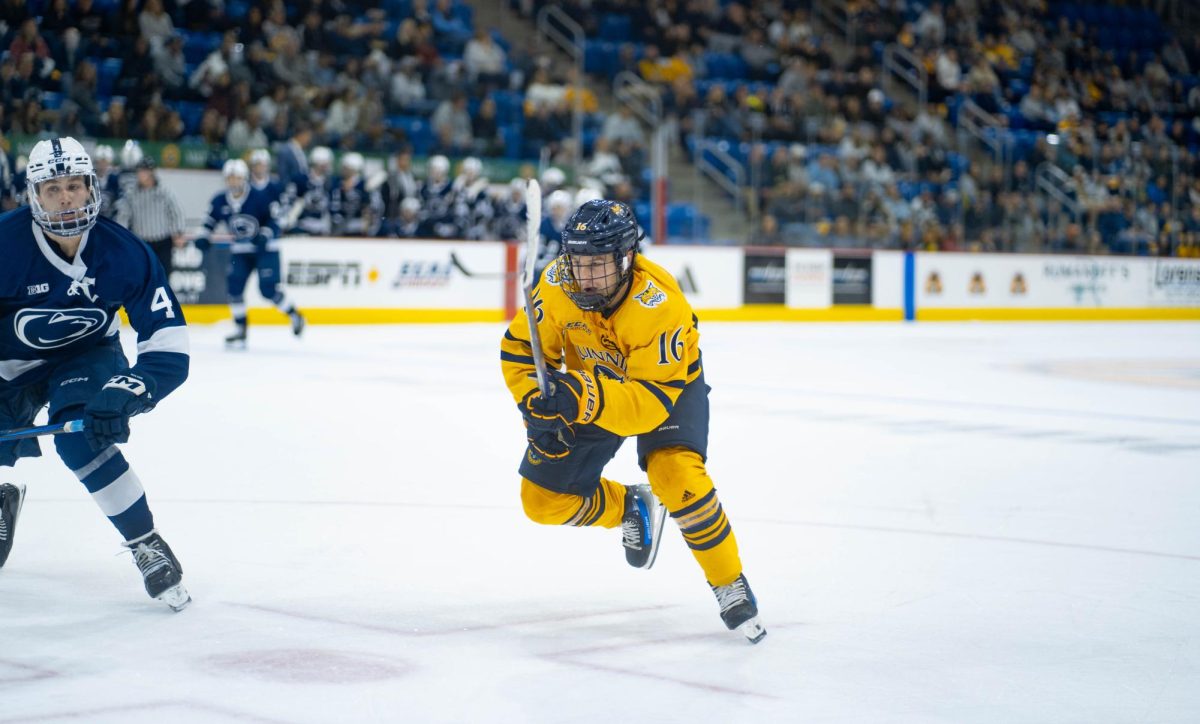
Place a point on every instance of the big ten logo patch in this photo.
(651, 296)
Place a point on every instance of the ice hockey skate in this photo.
(11, 498)
(641, 526)
(237, 340)
(298, 323)
(739, 609)
(160, 570)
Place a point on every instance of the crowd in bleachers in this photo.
(1105, 93)
(831, 159)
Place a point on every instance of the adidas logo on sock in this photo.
(688, 495)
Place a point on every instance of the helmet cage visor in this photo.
(65, 222)
(593, 281)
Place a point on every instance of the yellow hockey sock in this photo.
(603, 508)
(679, 479)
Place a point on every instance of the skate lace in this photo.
(149, 559)
(631, 533)
(731, 595)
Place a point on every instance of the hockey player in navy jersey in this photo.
(66, 272)
(250, 215)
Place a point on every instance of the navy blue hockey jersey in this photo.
(52, 309)
(251, 219)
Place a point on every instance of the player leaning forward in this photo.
(64, 274)
(627, 338)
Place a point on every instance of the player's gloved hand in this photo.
(202, 243)
(13, 450)
(552, 444)
(575, 397)
(106, 417)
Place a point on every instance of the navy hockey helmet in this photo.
(596, 263)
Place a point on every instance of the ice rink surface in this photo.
(943, 523)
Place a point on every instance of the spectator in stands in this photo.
(448, 28)
(155, 23)
(246, 132)
(485, 130)
(622, 126)
(114, 122)
(543, 92)
(451, 123)
(342, 118)
(485, 61)
(29, 40)
(407, 90)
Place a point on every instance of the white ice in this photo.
(943, 523)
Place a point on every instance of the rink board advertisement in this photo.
(809, 278)
(1032, 281)
(710, 277)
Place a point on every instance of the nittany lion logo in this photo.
(651, 296)
(54, 328)
(244, 226)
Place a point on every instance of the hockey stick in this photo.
(20, 433)
(533, 222)
(457, 264)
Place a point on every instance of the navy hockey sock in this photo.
(113, 485)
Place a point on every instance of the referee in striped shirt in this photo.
(152, 213)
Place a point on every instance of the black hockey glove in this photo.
(552, 444)
(575, 398)
(106, 417)
(202, 243)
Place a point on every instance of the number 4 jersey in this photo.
(52, 308)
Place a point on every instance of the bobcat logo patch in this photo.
(651, 296)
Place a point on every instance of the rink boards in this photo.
(367, 281)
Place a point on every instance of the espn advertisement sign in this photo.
(390, 274)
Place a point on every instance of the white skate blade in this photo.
(177, 597)
(658, 516)
(753, 630)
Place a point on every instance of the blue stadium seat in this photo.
(109, 71)
(191, 113)
(615, 27)
(52, 101)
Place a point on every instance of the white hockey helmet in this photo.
(103, 153)
(236, 174)
(62, 158)
(321, 156)
(561, 201)
(131, 154)
(472, 166)
(260, 156)
(553, 177)
(439, 166)
(411, 205)
(586, 194)
(353, 162)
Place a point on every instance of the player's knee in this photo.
(546, 506)
(74, 450)
(677, 476)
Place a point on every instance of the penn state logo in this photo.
(54, 328)
(244, 226)
(651, 296)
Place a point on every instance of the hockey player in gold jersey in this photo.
(623, 347)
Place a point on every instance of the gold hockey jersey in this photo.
(641, 354)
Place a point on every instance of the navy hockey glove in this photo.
(202, 243)
(553, 445)
(575, 398)
(13, 450)
(106, 417)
